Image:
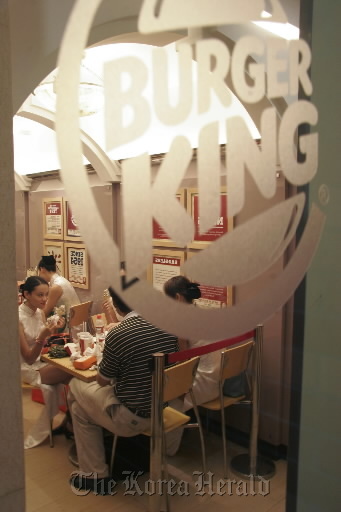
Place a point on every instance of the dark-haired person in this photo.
(205, 386)
(120, 400)
(61, 290)
(33, 330)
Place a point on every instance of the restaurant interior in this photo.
(297, 421)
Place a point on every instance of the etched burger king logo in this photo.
(251, 248)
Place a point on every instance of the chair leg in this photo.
(113, 451)
(202, 442)
(51, 434)
(223, 433)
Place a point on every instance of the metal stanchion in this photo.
(251, 465)
(156, 430)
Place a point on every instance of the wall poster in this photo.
(55, 249)
(77, 265)
(166, 264)
(53, 218)
(223, 224)
(71, 230)
(160, 236)
(213, 296)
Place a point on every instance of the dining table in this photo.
(65, 364)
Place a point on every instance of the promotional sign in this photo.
(53, 218)
(77, 265)
(253, 70)
(55, 249)
(71, 229)
(165, 265)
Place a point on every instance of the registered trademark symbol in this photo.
(323, 195)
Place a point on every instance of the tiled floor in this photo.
(48, 470)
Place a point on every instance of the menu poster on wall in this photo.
(165, 265)
(53, 218)
(214, 297)
(160, 237)
(71, 230)
(222, 226)
(77, 265)
(55, 249)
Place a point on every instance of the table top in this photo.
(66, 365)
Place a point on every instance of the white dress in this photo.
(205, 385)
(32, 323)
(69, 297)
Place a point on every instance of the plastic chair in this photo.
(79, 314)
(233, 362)
(178, 381)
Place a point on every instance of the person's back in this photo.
(128, 357)
(69, 296)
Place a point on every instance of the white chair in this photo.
(234, 361)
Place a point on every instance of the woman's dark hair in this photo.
(48, 262)
(182, 286)
(118, 302)
(31, 283)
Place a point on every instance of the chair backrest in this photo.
(80, 313)
(179, 378)
(234, 360)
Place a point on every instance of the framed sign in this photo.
(166, 264)
(76, 265)
(160, 236)
(223, 224)
(213, 296)
(71, 230)
(53, 218)
(55, 249)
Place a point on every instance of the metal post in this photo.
(252, 465)
(156, 430)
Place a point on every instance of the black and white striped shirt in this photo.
(127, 358)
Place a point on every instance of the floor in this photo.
(48, 470)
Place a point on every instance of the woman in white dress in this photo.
(33, 330)
(61, 290)
(205, 385)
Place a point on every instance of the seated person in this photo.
(61, 293)
(120, 400)
(33, 330)
(205, 386)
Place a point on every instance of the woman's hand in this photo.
(45, 332)
(61, 323)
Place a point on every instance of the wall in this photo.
(12, 482)
(320, 445)
(30, 229)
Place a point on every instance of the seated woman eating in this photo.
(33, 330)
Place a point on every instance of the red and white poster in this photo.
(216, 231)
(165, 267)
(214, 297)
(71, 227)
(53, 218)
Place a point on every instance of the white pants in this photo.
(93, 407)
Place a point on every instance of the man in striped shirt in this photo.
(120, 400)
